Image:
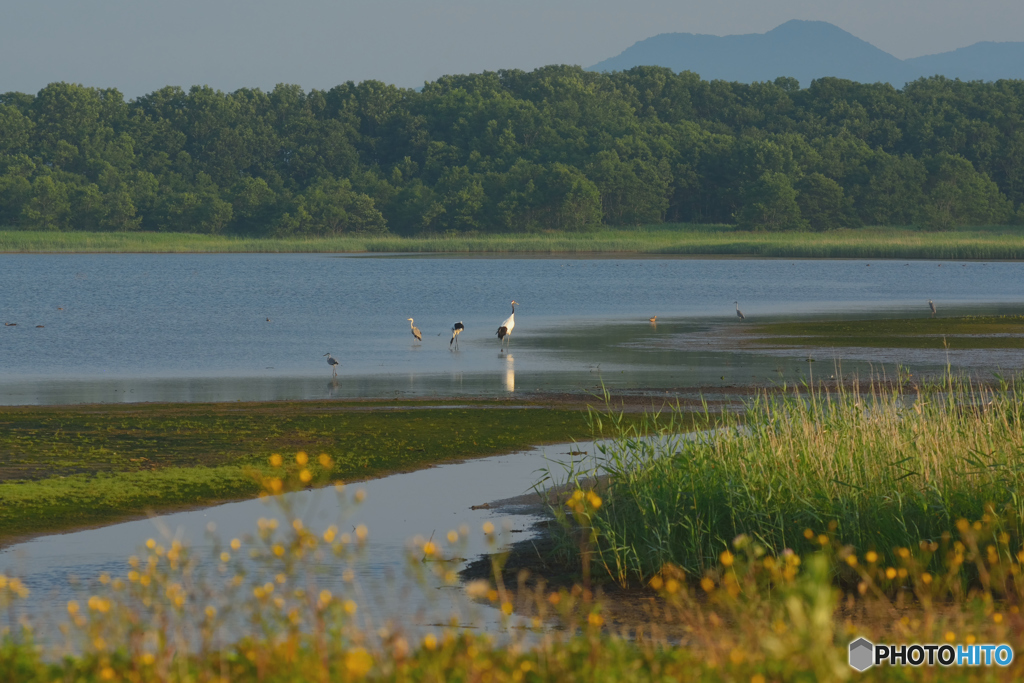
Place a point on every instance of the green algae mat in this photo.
(66, 467)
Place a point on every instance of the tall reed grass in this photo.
(693, 240)
(879, 470)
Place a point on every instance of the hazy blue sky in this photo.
(140, 45)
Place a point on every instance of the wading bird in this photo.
(506, 327)
(457, 329)
(654, 319)
(931, 305)
(333, 363)
(415, 330)
(739, 313)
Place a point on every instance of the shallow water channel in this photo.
(396, 509)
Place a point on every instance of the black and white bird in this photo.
(931, 305)
(739, 313)
(506, 327)
(333, 363)
(415, 330)
(457, 329)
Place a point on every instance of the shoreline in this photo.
(995, 243)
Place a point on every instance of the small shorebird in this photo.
(654, 319)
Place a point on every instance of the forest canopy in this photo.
(558, 148)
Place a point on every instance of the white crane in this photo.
(931, 305)
(457, 329)
(506, 327)
(415, 330)
(333, 363)
(739, 313)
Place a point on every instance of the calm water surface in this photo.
(131, 327)
(428, 503)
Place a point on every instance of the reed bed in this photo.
(877, 471)
(684, 240)
(260, 616)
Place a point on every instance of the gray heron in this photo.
(739, 313)
(333, 363)
(457, 329)
(506, 327)
(931, 305)
(415, 330)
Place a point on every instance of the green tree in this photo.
(415, 208)
(769, 203)
(15, 131)
(331, 207)
(894, 191)
(823, 204)
(254, 205)
(118, 212)
(959, 195)
(48, 206)
(633, 191)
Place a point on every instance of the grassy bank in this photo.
(880, 471)
(64, 467)
(694, 240)
(973, 332)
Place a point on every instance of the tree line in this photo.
(558, 148)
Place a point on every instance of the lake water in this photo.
(140, 327)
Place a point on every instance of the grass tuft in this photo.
(877, 471)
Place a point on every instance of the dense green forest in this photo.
(555, 149)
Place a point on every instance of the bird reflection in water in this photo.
(510, 373)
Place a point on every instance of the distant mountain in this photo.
(807, 50)
(979, 62)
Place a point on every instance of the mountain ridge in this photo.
(807, 50)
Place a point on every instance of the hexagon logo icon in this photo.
(862, 654)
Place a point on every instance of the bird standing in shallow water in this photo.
(654, 319)
(506, 327)
(415, 330)
(739, 313)
(457, 329)
(333, 363)
(931, 305)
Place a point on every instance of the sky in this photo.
(138, 46)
